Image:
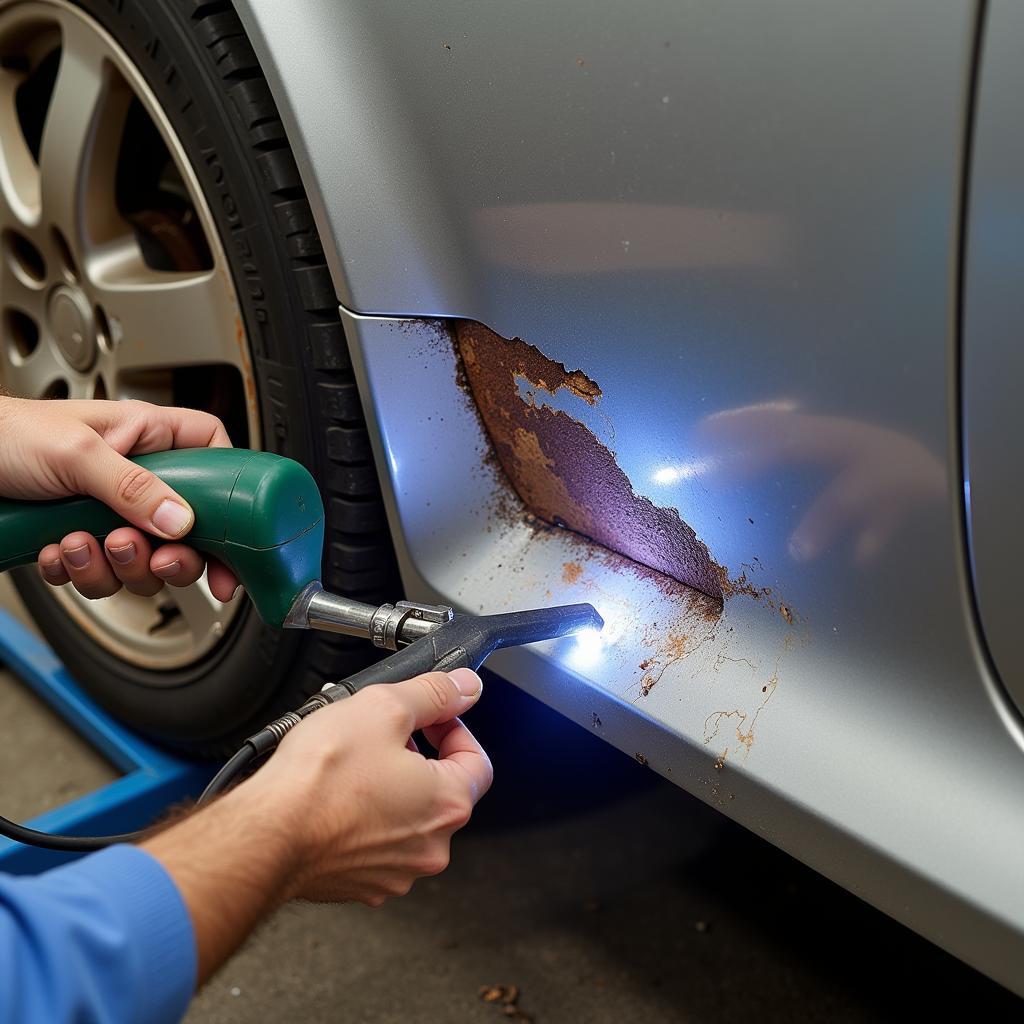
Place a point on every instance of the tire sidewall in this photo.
(242, 674)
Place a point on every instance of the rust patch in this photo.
(562, 472)
(743, 585)
(571, 572)
(531, 364)
(739, 585)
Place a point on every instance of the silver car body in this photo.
(753, 225)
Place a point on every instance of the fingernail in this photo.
(53, 570)
(124, 554)
(466, 681)
(165, 572)
(78, 558)
(172, 518)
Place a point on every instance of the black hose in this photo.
(85, 844)
(259, 743)
(76, 844)
(227, 775)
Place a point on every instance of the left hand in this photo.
(55, 449)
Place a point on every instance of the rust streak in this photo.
(713, 722)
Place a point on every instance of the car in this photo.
(704, 313)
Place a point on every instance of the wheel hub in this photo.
(72, 326)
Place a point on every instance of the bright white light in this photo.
(589, 639)
(587, 650)
(590, 647)
(667, 475)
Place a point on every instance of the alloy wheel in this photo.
(113, 279)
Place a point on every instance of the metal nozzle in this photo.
(390, 626)
(467, 640)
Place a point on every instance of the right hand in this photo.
(367, 812)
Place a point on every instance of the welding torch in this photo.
(263, 517)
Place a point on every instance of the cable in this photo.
(262, 742)
(241, 760)
(76, 844)
(82, 844)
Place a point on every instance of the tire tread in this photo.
(197, 55)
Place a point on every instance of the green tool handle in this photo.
(258, 513)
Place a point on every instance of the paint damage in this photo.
(566, 477)
(560, 469)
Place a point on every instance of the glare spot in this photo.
(588, 649)
(667, 475)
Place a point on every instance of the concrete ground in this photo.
(585, 890)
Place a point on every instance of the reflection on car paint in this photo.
(603, 237)
(878, 478)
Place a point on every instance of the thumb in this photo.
(135, 493)
(437, 697)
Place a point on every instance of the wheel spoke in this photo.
(202, 612)
(33, 375)
(79, 386)
(14, 292)
(19, 176)
(166, 319)
(75, 155)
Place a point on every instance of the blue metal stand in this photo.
(152, 780)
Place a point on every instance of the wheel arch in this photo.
(378, 208)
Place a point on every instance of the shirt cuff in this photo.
(155, 921)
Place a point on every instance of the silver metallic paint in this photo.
(706, 207)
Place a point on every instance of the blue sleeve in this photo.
(106, 938)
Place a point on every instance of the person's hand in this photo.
(346, 809)
(54, 449)
(368, 814)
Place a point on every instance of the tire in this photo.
(203, 72)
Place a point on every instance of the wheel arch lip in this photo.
(352, 138)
